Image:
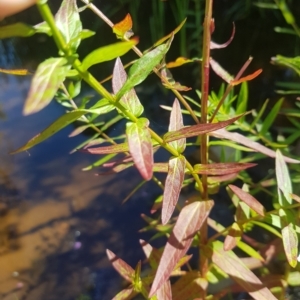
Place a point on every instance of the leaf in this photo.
(195, 130)
(246, 78)
(57, 125)
(293, 63)
(176, 123)
(178, 62)
(220, 71)
(170, 35)
(68, 22)
(248, 199)
(103, 106)
(219, 169)
(49, 75)
(126, 271)
(20, 72)
(108, 149)
(16, 30)
(173, 186)
(283, 179)
(153, 255)
(165, 291)
(123, 28)
(140, 146)
(130, 100)
(125, 294)
(240, 139)
(188, 223)
(230, 263)
(290, 244)
(143, 66)
(107, 53)
(219, 46)
(233, 237)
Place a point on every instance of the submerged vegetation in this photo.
(202, 257)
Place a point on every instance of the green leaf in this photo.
(290, 244)
(283, 179)
(68, 22)
(268, 121)
(140, 146)
(242, 100)
(293, 63)
(107, 53)
(49, 75)
(142, 67)
(57, 125)
(16, 30)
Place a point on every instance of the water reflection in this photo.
(56, 221)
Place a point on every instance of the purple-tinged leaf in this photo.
(125, 294)
(57, 125)
(118, 148)
(153, 255)
(220, 71)
(143, 67)
(165, 291)
(189, 286)
(188, 223)
(176, 123)
(173, 186)
(248, 199)
(233, 236)
(223, 178)
(47, 79)
(243, 140)
(221, 168)
(130, 99)
(283, 179)
(231, 264)
(126, 271)
(107, 53)
(68, 22)
(140, 146)
(79, 130)
(219, 46)
(196, 130)
(290, 244)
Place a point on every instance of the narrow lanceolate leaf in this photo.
(219, 46)
(246, 78)
(283, 178)
(130, 99)
(142, 67)
(16, 30)
(125, 294)
(220, 71)
(49, 75)
(230, 263)
(140, 146)
(108, 149)
(19, 72)
(107, 53)
(60, 123)
(188, 223)
(179, 62)
(233, 236)
(248, 199)
(126, 271)
(219, 169)
(67, 20)
(196, 130)
(153, 255)
(243, 140)
(173, 186)
(165, 291)
(290, 244)
(176, 123)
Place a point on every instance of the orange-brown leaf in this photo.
(246, 78)
(124, 27)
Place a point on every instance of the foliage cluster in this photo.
(229, 261)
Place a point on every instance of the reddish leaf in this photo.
(248, 199)
(189, 286)
(140, 146)
(121, 266)
(108, 149)
(130, 100)
(176, 123)
(234, 235)
(172, 187)
(219, 46)
(216, 179)
(123, 28)
(221, 168)
(196, 130)
(125, 294)
(220, 71)
(243, 140)
(230, 263)
(165, 291)
(188, 223)
(153, 255)
(246, 78)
